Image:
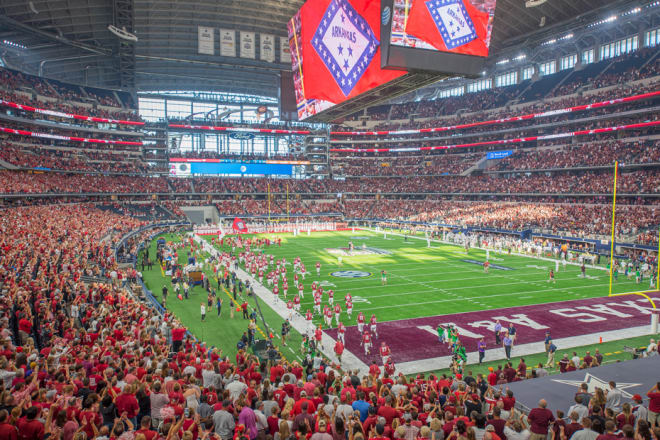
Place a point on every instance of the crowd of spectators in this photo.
(26, 89)
(84, 361)
(69, 159)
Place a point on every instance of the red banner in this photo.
(238, 129)
(340, 45)
(577, 108)
(43, 111)
(66, 138)
(449, 25)
(239, 226)
(501, 141)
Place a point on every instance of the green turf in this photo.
(421, 282)
(611, 351)
(220, 331)
(434, 281)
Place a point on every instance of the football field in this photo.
(439, 280)
(427, 286)
(443, 284)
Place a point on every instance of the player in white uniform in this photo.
(349, 308)
(331, 297)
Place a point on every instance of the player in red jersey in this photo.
(296, 303)
(337, 313)
(289, 306)
(285, 288)
(389, 367)
(295, 279)
(261, 276)
(348, 297)
(308, 316)
(276, 292)
(366, 342)
(349, 309)
(372, 325)
(301, 290)
(318, 269)
(318, 335)
(339, 349)
(486, 266)
(384, 352)
(360, 322)
(328, 316)
(317, 303)
(331, 297)
(341, 330)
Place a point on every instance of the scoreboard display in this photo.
(343, 51)
(455, 26)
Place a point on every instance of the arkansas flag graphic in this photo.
(239, 225)
(341, 49)
(449, 25)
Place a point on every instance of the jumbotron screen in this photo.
(335, 53)
(454, 26)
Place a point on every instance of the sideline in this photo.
(349, 360)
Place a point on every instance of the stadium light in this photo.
(553, 41)
(520, 57)
(566, 37)
(504, 61)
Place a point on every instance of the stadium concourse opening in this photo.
(329, 219)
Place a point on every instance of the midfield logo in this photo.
(346, 44)
(453, 22)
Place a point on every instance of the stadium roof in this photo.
(70, 40)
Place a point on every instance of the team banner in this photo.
(247, 45)
(336, 51)
(239, 225)
(457, 26)
(205, 40)
(577, 108)
(285, 50)
(228, 42)
(267, 46)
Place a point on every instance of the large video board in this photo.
(335, 52)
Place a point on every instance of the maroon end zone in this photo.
(416, 339)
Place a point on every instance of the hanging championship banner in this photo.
(205, 40)
(267, 45)
(247, 45)
(228, 42)
(285, 50)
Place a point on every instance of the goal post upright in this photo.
(616, 170)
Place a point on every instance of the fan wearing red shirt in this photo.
(127, 403)
(29, 427)
(177, 338)
(654, 405)
(540, 420)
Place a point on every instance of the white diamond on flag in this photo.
(348, 41)
(453, 22)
